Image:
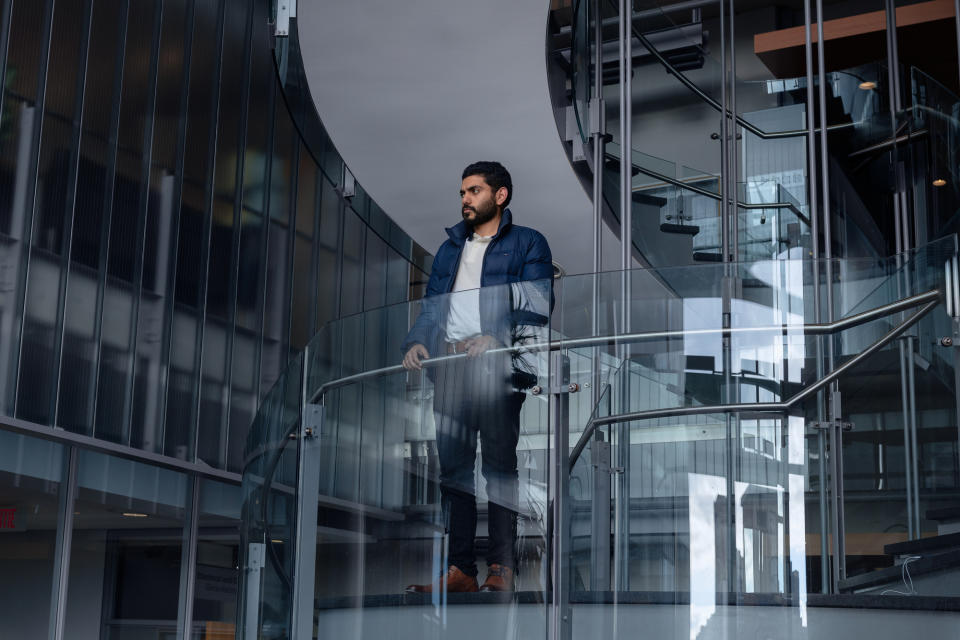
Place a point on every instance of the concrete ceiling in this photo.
(412, 92)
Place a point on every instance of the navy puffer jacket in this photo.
(515, 254)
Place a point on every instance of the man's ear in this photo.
(501, 196)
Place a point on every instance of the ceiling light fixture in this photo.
(866, 85)
(130, 514)
(939, 182)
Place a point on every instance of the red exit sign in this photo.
(8, 519)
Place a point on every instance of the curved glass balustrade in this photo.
(695, 443)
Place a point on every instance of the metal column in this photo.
(560, 624)
(622, 499)
(812, 196)
(600, 451)
(308, 494)
(64, 543)
(188, 563)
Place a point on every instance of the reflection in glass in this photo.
(128, 523)
(31, 481)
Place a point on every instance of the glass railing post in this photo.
(836, 427)
(560, 627)
(308, 494)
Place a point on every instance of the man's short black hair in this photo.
(495, 175)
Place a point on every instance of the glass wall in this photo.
(175, 225)
(169, 238)
(32, 483)
(728, 492)
(743, 134)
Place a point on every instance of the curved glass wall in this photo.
(174, 227)
(733, 511)
(174, 221)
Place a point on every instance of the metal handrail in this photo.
(690, 84)
(711, 194)
(823, 328)
(760, 407)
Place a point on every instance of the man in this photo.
(480, 393)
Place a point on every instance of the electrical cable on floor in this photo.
(905, 576)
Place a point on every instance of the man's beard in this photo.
(482, 214)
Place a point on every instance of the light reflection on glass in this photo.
(797, 516)
(704, 492)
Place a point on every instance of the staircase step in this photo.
(704, 256)
(947, 518)
(689, 229)
(613, 165)
(645, 198)
(947, 514)
(923, 545)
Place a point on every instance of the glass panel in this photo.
(726, 506)
(160, 234)
(31, 477)
(676, 151)
(82, 328)
(278, 277)
(351, 279)
(409, 478)
(269, 482)
(43, 319)
(375, 272)
(193, 240)
(18, 117)
(248, 320)
(128, 527)
(328, 241)
(218, 551)
(127, 213)
(301, 303)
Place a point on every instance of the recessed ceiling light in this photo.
(867, 85)
(276, 541)
(134, 515)
(939, 182)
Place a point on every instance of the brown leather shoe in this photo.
(455, 581)
(499, 578)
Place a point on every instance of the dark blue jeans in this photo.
(475, 396)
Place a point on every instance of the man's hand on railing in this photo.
(480, 344)
(415, 354)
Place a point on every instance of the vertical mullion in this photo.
(26, 237)
(291, 238)
(67, 244)
(6, 14)
(143, 207)
(812, 208)
(106, 221)
(315, 252)
(237, 223)
(338, 262)
(61, 560)
(171, 282)
(207, 231)
(265, 240)
(188, 562)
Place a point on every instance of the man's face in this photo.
(478, 201)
